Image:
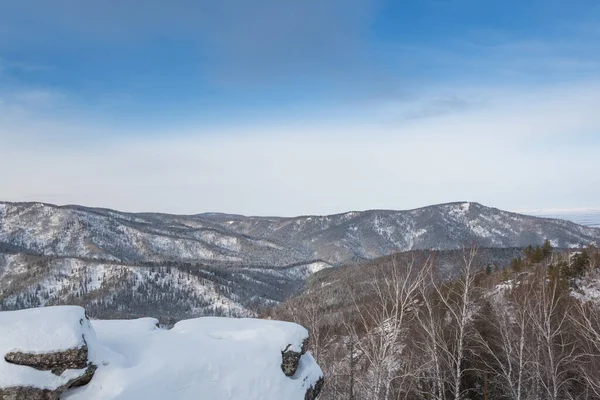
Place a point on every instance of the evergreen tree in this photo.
(547, 249)
(516, 265)
(538, 255)
(580, 263)
(528, 252)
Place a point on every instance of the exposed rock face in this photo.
(52, 340)
(57, 362)
(313, 392)
(289, 366)
(27, 393)
(32, 393)
(291, 359)
(83, 379)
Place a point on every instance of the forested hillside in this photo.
(123, 265)
(395, 329)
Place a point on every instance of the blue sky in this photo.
(290, 107)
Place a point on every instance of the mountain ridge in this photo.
(190, 265)
(237, 215)
(231, 238)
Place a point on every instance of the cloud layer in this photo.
(517, 149)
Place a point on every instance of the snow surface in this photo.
(39, 331)
(206, 358)
(588, 288)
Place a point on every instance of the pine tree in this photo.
(516, 264)
(547, 249)
(538, 255)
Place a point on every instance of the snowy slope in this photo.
(70, 280)
(116, 290)
(369, 234)
(223, 239)
(103, 234)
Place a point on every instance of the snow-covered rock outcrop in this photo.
(205, 358)
(44, 352)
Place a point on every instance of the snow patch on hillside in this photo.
(306, 270)
(588, 288)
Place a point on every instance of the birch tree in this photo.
(446, 319)
(504, 349)
(586, 319)
(554, 349)
(385, 318)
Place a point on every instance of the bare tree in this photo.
(384, 319)
(433, 346)
(504, 351)
(307, 312)
(554, 350)
(399, 330)
(446, 317)
(586, 319)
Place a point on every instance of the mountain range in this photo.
(123, 264)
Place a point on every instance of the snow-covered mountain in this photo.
(223, 239)
(351, 236)
(122, 264)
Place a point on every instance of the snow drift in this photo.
(206, 358)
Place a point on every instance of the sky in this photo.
(279, 107)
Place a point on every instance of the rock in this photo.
(289, 366)
(27, 393)
(291, 359)
(44, 352)
(313, 392)
(32, 393)
(83, 379)
(57, 362)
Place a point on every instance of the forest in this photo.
(397, 330)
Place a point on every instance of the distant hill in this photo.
(127, 264)
(224, 239)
